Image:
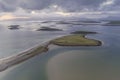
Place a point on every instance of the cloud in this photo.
(78, 5)
(59, 8)
(34, 4)
(4, 7)
(9, 16)
(10, 5)
(68, 5)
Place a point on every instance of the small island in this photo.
(83, 32)
(80, 22)
(75, 40)
(13, 27)
(112, 23)
(48, 29)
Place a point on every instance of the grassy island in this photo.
(69, 40)
(83, 32)
(75, 40)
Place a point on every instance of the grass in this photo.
(75, 40)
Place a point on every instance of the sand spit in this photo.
(16, 59)
(69, 40)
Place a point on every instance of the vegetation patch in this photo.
(83, 32)
(75, 40)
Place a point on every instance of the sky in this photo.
(27, 9)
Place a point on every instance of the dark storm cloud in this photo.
(116, 5)
(68, 5)
(10, 5)
(34, 4)
(6, 7)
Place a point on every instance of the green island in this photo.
(83, 32)
(75, 40)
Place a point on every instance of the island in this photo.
(83, 32)
(48, 29)
(112, 23)
(68, 40)
(13, 27)
(75, 40)
(80, 22)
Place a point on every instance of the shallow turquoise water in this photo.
(63, 63)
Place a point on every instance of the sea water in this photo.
(63, 63)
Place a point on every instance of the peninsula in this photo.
(69, 40)
(75, 40)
